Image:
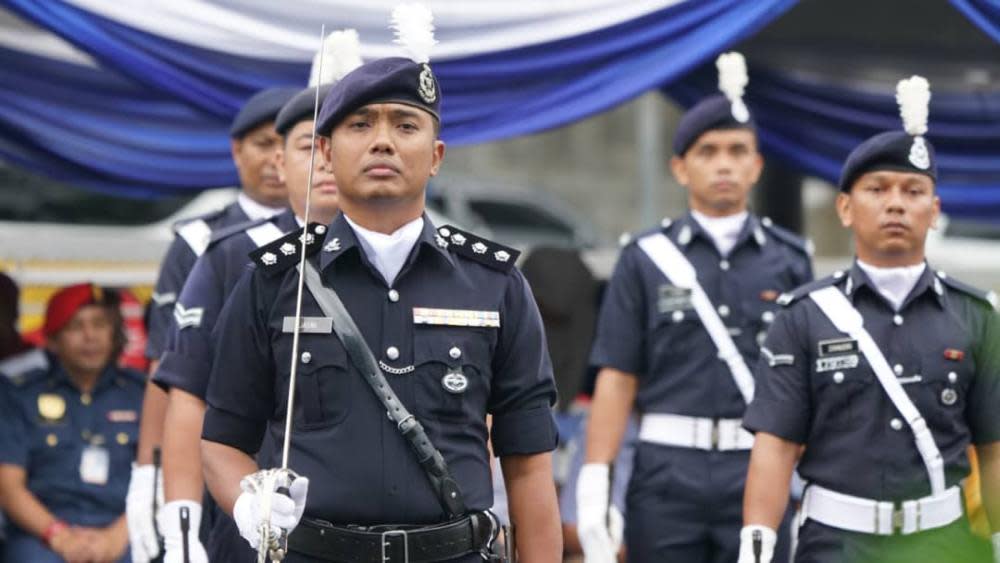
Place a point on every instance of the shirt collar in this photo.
(256, 210)
(340, 239)
(61, 377)
(857, 279)
(688, 229)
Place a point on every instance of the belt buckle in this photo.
(897, 519)
(385, 543)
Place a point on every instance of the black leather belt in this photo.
(393, 544)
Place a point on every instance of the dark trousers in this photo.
(819, 543)
(687, 505)
(225, 544)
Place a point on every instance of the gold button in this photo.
(86, 399)
(122, 438)
(51, 440)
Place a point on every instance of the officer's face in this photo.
(85, 344)
(293, 168)
(719, 170)
(384, 154)
(890, 213)
(254, 155)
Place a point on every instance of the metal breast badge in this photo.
(455, 381)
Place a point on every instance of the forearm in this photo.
(154, 408)
(534, 511)
(224, 467)
(989, 479)
(182, 473)
(21, 505)
(614, 396)
(765, 498)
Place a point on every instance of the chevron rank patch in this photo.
(477, 249)
(187, 317)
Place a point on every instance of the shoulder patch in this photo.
(209, 217)
(787, 298)
(477, 249)
(803, 245)
(987, 297)
(197, 234)
(223, 233)
(279, 255)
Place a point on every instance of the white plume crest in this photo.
(341, 54)
(733, 77)
(414, 27)
(913, 95)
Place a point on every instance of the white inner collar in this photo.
(894, 283)
(256, 210)
(723, 230)
(388, 253)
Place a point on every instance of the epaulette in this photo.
(281, 254)
(627, 237)
(988, 297)
(803, 245)
(477, 249)
(230, 230)
(27, 378)
(789, 297)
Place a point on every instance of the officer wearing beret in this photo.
(450, 331)
(682, 318)
(185, 367)
(254, 144)
(884, 373)
(69, 437)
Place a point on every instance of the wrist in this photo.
(52, 530)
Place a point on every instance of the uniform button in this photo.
(86, 398)
(392, 353)
(320, 229)
(897, 320)
(678, 316)
(953, 377)
(896, 424)
(724, 265)
(897, 369)
(393, 295)
(767, 317)
(121, 438)
(306, 357)
(455, 353)
(723, 310)
(838, 377)
(51, 440)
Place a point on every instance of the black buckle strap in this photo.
(394, 544)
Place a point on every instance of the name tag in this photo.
(838, 346)
(837, 362)
(94, 465)
(314, 325)
(123, 416)
(455, 317)
(673, 298)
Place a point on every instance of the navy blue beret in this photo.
(714, 112)
(260, 108)
(394, 79)
(892, 150)
(299, 108)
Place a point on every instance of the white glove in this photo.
(169, 520)
(768, 539)
(139, 512)
(996, 547)
(599, 529)
(285, 512)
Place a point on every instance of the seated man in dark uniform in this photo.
(876, 380)
(440, 322)
(69, 438)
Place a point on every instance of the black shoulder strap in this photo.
(362, 357)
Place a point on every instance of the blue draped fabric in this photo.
(814, 126)
(151, 119)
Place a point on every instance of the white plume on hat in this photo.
(414, 27)
(733, 80)
(341, 54)
(913, 95)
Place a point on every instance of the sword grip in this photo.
(758, 545)
(185, 528)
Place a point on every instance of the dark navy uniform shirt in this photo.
(50, 423)
(187, 361)
(943, 345)
(363, 471)
(649, 328)
(191, 240)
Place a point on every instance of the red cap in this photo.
(66, 302)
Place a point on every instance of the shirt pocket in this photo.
(674, 335)
(844, 394)
(452, 371)
(324, 386)
(941, 393)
